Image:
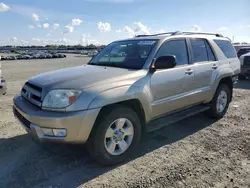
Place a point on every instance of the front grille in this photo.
(246, 60)
(22, 119)
(32, 93)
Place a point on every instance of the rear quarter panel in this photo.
(228, 67)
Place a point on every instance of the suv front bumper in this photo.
(77, 124)
(3, 87)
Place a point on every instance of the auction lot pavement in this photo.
(197, 152)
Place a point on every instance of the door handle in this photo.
(214, 66)
(189, 71)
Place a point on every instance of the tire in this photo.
(97, 143)
(214, 112)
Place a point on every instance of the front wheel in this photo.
(220, 102)
(115, 136)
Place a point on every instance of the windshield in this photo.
(124, 54)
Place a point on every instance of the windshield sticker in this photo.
(146, 42)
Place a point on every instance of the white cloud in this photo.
(93, 41)
(69, 29)
(195, 28)
(104, 27)
(56, 26)
(13, 39)
(35, 17)
(118, 30)
(36, 39)
(221, 29)
(141, 29)
(24, 42)
(64, 40)
(76, 21)
(31, 26)
(129, 30)
(45, 25)
(4, 7)
(39, 41)
(39, 26)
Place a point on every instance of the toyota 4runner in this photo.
(131, 86)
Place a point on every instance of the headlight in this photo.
(60, 98)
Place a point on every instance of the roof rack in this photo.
(181, 33)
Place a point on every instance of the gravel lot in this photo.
(197, 152)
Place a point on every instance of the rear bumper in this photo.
(3, 87)
(77, 124)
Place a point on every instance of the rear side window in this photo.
(227, 48)
(210, 53)
(201, 50)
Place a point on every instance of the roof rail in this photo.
(202, 33)
(181, 33)
(169, 33)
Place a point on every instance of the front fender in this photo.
(121, 94)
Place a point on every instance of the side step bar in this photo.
(174, 117)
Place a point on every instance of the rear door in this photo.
(205, 66)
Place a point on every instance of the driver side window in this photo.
(177, 48)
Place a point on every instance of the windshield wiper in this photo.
(107, 65)
(95, 64)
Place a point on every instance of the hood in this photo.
(247, 54)
(87, 76)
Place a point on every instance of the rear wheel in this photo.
(220, 102)
(115, 136)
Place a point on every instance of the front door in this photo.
(171, 89)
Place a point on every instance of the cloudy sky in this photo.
(40, 22)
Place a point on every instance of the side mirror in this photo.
(165, 62)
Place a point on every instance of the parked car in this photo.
(49, 56)
(11, 58)
(245, 66)
(42, 56)
(19, 57)
(2, 58)
(36, 56)
(3, 87)
(54, 55)
(61, 55)
(164, 78)
(27, 57)
(243, 51)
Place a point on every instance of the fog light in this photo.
(47, 132)
(60, 132)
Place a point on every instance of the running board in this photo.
(175, 117)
